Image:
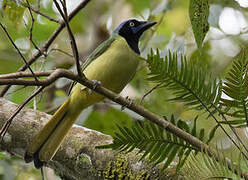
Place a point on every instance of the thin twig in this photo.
(19, 52)
(35, 98)
(64, 7)
(20, 107)
(31, 30)
(37, 11)
(72, 39)
(38, 4)
(32, 23)
(150, 91)
(60, 50)
(47, 44)
(22, 74)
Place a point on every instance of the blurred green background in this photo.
(227, 35)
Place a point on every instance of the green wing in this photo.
(98, 51)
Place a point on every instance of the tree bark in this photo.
(77, 157)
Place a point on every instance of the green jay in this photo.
(113, 63)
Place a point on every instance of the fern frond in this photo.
(190, 84)
(236, 88)
(203, 166)
(157, 144)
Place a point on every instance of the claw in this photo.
(95, 83)
(131, 101)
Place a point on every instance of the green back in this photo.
(95, 54)
(99, 51)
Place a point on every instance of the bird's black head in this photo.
(131, 30)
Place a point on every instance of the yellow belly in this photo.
(114, 69)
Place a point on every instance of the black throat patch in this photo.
(132, 40)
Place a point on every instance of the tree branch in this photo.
(7, 124)
(77, 158)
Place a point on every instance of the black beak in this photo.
(145, 25)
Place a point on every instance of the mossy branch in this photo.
(77, 158)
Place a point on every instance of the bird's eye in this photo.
(131, 24)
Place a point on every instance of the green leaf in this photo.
(193, 131)
(2, 156)
(236, 87)
(201, 135)
(163, 153)
(183, 125)
(13, 11)
(204, 166)
(138, 6)
(106, 122)
(154, 142)
(198, 13)
(233, 122)
(212, 133)
(182, 161)
(189, 82)
(171, 156)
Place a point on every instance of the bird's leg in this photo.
(130, 102)
(95, 84)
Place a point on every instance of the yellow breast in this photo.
(114, 69)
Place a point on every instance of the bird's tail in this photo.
(45, 144)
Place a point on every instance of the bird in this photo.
(112, 64)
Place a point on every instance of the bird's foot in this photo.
(95, 84)
(130, 102)
(37, 162)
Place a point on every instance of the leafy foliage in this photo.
(198, 13)
(139, 5)
(189, 83)
(156, 142)
(105, 123)
(203, 166)
(236, 88)
(13, 11)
